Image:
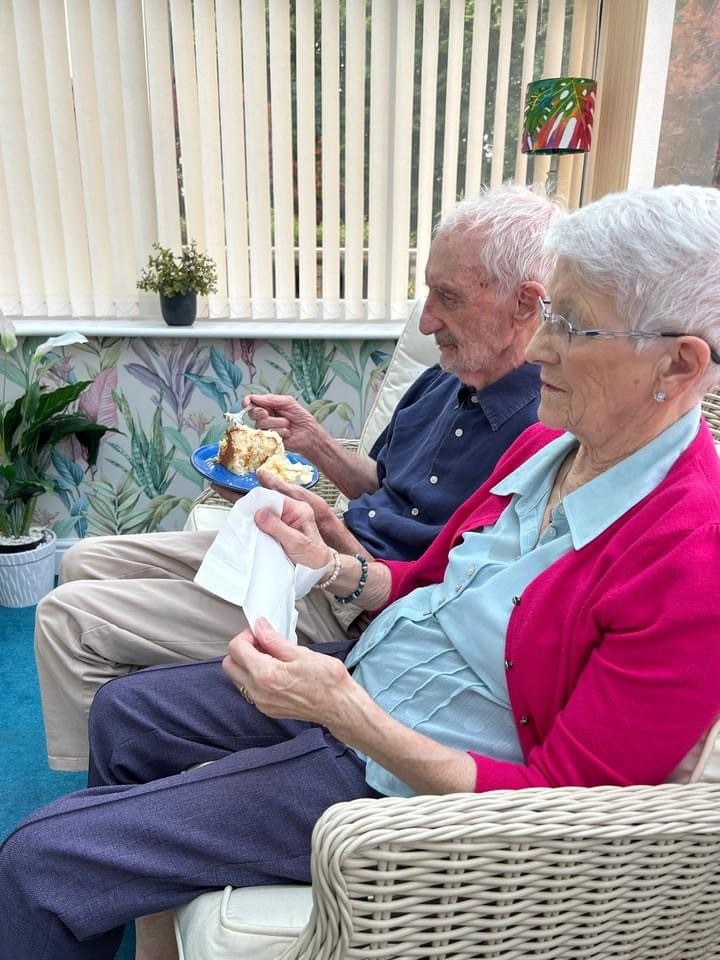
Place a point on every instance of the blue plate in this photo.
(203, 459)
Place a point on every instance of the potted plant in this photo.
(31, 426)
(179, 280)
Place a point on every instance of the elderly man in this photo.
(130, 601)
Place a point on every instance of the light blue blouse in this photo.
(434, 659)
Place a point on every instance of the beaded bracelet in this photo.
(324, 584)
(361, 585)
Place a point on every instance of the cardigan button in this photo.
(524, 721)
(516, 601)
(509, 664)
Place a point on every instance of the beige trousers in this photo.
(127, 602)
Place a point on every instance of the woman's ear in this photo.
(684, 365)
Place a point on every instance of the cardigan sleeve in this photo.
(649, 686)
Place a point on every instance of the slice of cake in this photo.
(243, 449)
(288, 471)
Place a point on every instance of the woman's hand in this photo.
(297, 533)
(298, 428)
(284, 680)
(290, 682)
(329, 524)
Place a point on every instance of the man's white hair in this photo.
(655, 253)
(508, 225)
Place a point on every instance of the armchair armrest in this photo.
(558, 873)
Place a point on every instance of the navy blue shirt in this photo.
(443, 441)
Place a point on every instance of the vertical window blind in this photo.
(307, 145)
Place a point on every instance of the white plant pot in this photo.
(26, 576)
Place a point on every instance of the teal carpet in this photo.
(25, 780)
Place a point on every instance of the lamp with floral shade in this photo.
(558, 119)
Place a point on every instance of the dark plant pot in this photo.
(180, 310)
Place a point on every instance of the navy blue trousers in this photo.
(147, 834)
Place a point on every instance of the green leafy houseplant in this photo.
(179, 279)
(189, 272)
(31, 426)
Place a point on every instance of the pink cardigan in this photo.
(613, 653)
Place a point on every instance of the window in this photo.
(307, 146)
(689, 149)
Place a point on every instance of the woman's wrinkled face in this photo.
(596, 389)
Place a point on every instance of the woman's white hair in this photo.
(655, 252)
(508, 225)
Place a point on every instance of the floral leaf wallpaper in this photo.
(167, 397)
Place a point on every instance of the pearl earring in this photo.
(660, 396)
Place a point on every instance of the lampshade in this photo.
(558, 115)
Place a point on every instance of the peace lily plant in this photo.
(31, 426)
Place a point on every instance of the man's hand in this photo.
(301, 433)
(298, 428)
(284, 680)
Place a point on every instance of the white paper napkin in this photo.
(248, 568)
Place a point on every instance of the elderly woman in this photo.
(562, 629)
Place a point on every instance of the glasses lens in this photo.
(559, 327)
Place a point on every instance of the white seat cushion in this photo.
(253, 922)
(207, 516)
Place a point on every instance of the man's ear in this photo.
(526, 307)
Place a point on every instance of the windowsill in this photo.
(212, 329)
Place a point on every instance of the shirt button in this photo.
(524, 721)
(474, 398)
(433, 479)
(471, 571)
(458, 587)
(371, 513)
(516, 601)
(459, 432)
(508, 664)
(560, 509)
(414, 512)
(550, 533)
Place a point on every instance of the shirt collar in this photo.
(596, 505)
(501, 400)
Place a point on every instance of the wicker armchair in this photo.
(711, 412)
(567, 873)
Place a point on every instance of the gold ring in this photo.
(245, 695)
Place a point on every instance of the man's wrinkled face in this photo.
(471, 326)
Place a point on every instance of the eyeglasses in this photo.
(561, 327)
